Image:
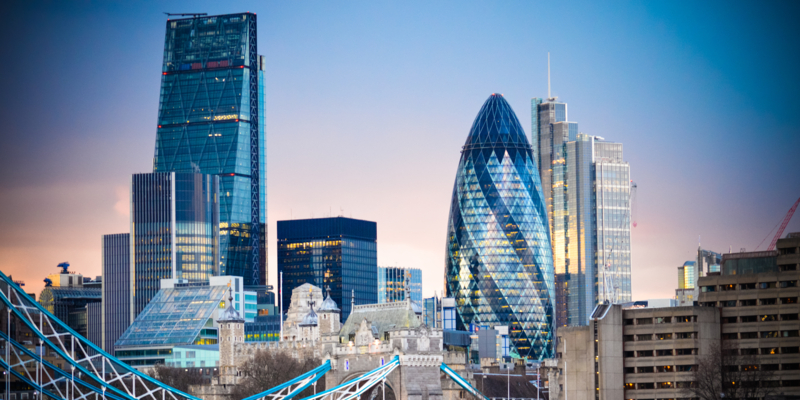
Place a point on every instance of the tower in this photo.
(231, 331)
(329, 322)
(499, 265)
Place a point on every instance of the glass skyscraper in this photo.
(499, 265)
(337, 252)
(174, 231)
(392, 284)
(586, 185)
(211, 121)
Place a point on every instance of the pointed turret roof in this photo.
(329, 305)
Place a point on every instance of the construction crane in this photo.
(194, 15)
(785, 222)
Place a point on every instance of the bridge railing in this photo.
(95, 368)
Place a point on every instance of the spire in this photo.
(407, 287)
(548, 74)
(352, 300)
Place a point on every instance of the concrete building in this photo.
(644, 353)
(66, 295)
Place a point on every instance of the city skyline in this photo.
(726, 183)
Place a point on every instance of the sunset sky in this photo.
(369, 103)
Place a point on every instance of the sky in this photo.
(369, 103)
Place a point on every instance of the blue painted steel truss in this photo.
(289, 389)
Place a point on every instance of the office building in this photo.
(337, 252)
(116, 305)
(432, 312)
(180, 314)
(174, 232)
(65, 296)
(499, 265)
(707, 262)
(211, 121)
(587, 188)
(392, 282)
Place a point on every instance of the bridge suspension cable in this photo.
(293, 387)
(355, 387)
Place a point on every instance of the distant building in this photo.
(337, 252)
(116, 305)
(432, 311)
(392, 281)
(174, 232)
(587, 188)
(707, 262)
(650, 303)
(180, 314)
(193, 356)
(65, 296)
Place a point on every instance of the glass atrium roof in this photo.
(174, 317)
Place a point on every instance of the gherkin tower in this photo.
(499, 264)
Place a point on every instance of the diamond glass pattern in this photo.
(499, 265)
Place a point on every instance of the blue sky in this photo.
(369, 103)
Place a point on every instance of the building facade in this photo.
(174, 232)
(587, 188)
(499, 263)
(66, 297)
(116, 304)
(211, 121)
(392, 282)
(337, 252)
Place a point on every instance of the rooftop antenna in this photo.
(194, 15)
(548, 74)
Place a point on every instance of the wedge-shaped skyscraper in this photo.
(499, 265)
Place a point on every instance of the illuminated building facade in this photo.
(499, 265)
(340, 253)
(392, 281)
(586, 186)
(174, 232)
(211, 121)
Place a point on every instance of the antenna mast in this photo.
(548, 74)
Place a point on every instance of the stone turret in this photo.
(329, 314)
(231, 331)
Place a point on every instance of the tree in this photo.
(179, 378)
(269, 369)
(727, 373)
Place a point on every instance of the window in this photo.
(747, 303)
(684, 385)
(190, 354)
(788, 317)
(729, 336)
(785, 284)
(684, 368)
(770, 367)
(747, 286)
(788, 383)
(749, 318)
(726, 288)
(663, 320)
(790, 350)
(644, 337)
(769, 334)
(685, 318)
(788, 300)
(647, 385)
(644, 353)
(767, 285)
(627, 338)
(665, 385)
(791, 333)
(629, 385)
(628, 321)
(665, 368)
(664, 336)
(708, 289)
(768, 302)
(769, 317)
(662, 353)
(749, 351)
(790, 366)
(728, 320)
(644, 370)
(628, 370)
(644, 321)
(708, 304)
(769, 351)
(728, 303)
(685, 335)
(685, 352)
(190, 364)
(628, 354)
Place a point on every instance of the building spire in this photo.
(548, 74)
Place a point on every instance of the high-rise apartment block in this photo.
(211, 121)
(587, 188)
(174, 232)
(116, 307)
(392, 282)
(337, 252)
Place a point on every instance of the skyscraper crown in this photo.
(496, 125)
